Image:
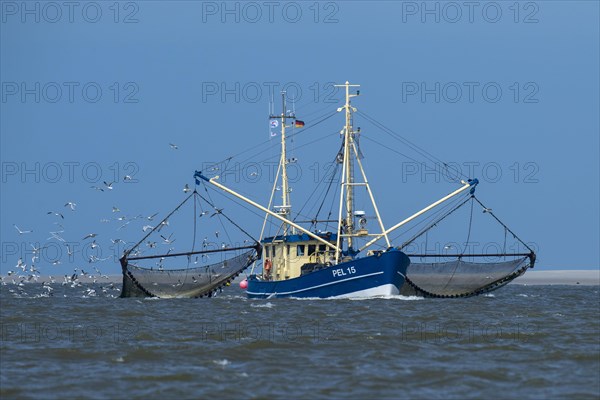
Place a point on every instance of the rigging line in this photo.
(333, 202)
(319, 110)
(399, 137)
(396, 136)
(434, 223)
(505, 227)
(314, 190)
(427, 220)
(217, 213)
(251, 210)
(390, 149)
(127, 252)
(459, 258)
(231, 221)
(470, 225)
(267, 141)
(328, 189)
(289, 137)
(299, 147)
(435, 216)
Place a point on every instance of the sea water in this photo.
(518, 342)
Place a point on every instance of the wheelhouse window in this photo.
(322, 248)
(300, 250)
(267, 251)
(312, 248)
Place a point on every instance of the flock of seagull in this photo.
(24, 272)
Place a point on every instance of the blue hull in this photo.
(376, 275)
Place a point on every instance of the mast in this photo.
(286, 207)
(347, 185)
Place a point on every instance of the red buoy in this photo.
(244, 284)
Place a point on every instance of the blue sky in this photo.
(509, 92)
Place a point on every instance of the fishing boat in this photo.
(303, 263)
(349, 258)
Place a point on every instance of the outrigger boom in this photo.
(198, 174)
(466, 185)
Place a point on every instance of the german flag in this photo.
(299, 124)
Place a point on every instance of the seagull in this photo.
(163, 224)
(217, 211)
(71, 205)
(203, 213)
(487, 210)
(20, 231)
(254, 173)
(446, 247)
(56, 213)
(116, 241)
(150, 218)
(186, 188)
(217, 233)
(97, 188)
(108, 185)
(147, 228)
(55, 235)
(115, 209)
(167, 240)
(173, 146)
(90, 235)
(69, 251)
(127, 178)
(94, 244)
(151, 244)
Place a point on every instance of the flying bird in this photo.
(150, 218)
(186, 188)
(90, 235)
(20, 231)
(173, 146)
(55, 235)
(115, 209)
(97, 188)
(167, 240)
(108, 185)
(127, 178)
(56, 213)
(487, 210)
(71, 205)
(217, 211)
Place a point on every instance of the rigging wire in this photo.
(407, 142)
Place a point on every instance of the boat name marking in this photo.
(343, 271)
